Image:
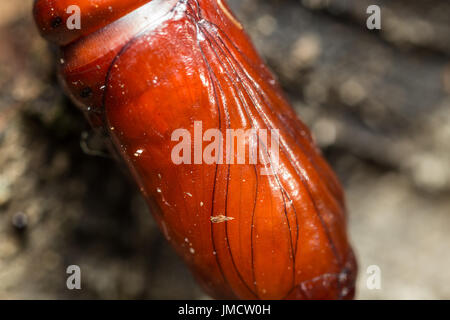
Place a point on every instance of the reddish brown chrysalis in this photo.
(144, 69)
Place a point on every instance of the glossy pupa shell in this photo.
(149, 68)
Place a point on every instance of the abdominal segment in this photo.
(266, 224)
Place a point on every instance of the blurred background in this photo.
(378, 103)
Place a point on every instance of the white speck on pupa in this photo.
(204, 80)
(138, 152)
(191, 250)
(344, 291)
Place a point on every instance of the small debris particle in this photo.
(220, 219)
